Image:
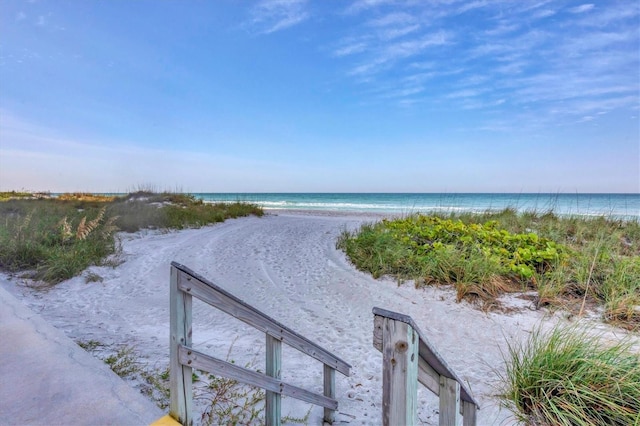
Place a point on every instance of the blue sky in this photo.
(320, 96)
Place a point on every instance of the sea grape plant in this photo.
(521, 255)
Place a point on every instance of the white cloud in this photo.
(466, 93)
(582, 8)
(545, 13)
(367, 67)
(391, 33)
(606, 16)
(269, 16)
(395, 18)
(595, 41)
(361, 5)
(409, 48)
(20, 16)
(350, 49)
(503, 28)
(472, 5)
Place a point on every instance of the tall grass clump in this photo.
(57, 238)
(52, 241)
(572, 262)
(568, 377)
(145, 209)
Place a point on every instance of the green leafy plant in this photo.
(448, 251)
(572, 262)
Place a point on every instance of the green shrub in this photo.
(567, 377)
(448, 251)
(569, 260)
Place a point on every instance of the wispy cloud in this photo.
(492, 54)
(582, 8)
(612, 15)
(503, 27)
(396, 32)
(350, 49)
(387, 54)
(544, 13)
(405, 49)
(361, 5)
(467, 93)
(394, 18)
(472, 6)
(269, 16)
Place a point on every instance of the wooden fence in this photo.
(186, 284)
(409, 358)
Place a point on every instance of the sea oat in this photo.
(85, 228)
(66, 229)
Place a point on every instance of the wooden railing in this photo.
(186, 284)
(409, 358)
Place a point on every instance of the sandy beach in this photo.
(286, 265)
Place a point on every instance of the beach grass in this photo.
(570, 377)
(56, 238)
(575, 263)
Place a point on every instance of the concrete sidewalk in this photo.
(46, 379)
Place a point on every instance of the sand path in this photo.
(287, 266)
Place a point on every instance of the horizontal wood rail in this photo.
(408, 358)
(186, 284)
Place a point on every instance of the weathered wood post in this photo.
(468, 413)
(273, 369)
(449, 401)
(330, 392)
(400, 373)
(409, 358)
(180, 406)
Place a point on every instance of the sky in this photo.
(320, 96)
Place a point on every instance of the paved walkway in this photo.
(46, 379)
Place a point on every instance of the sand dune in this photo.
(287, 266)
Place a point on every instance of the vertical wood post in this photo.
(273, 369)
(468, 414)
(449, 401)
(180, 406)
(329, 391)
(399, 373)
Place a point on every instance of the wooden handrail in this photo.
(409, 357)
(186, 284)
(198, 286)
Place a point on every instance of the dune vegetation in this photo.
(571, 262)
(55, 238)
(570, 377)
(566, 376)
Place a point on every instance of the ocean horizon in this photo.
(615, 205)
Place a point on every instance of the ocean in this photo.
(623, 206)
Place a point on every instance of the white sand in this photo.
(287, 266)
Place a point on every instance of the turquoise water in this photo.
(610, 205)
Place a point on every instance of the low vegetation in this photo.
(568, 377)
(571, 262)
(56, 238)
(16, 195)
(221, 400)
